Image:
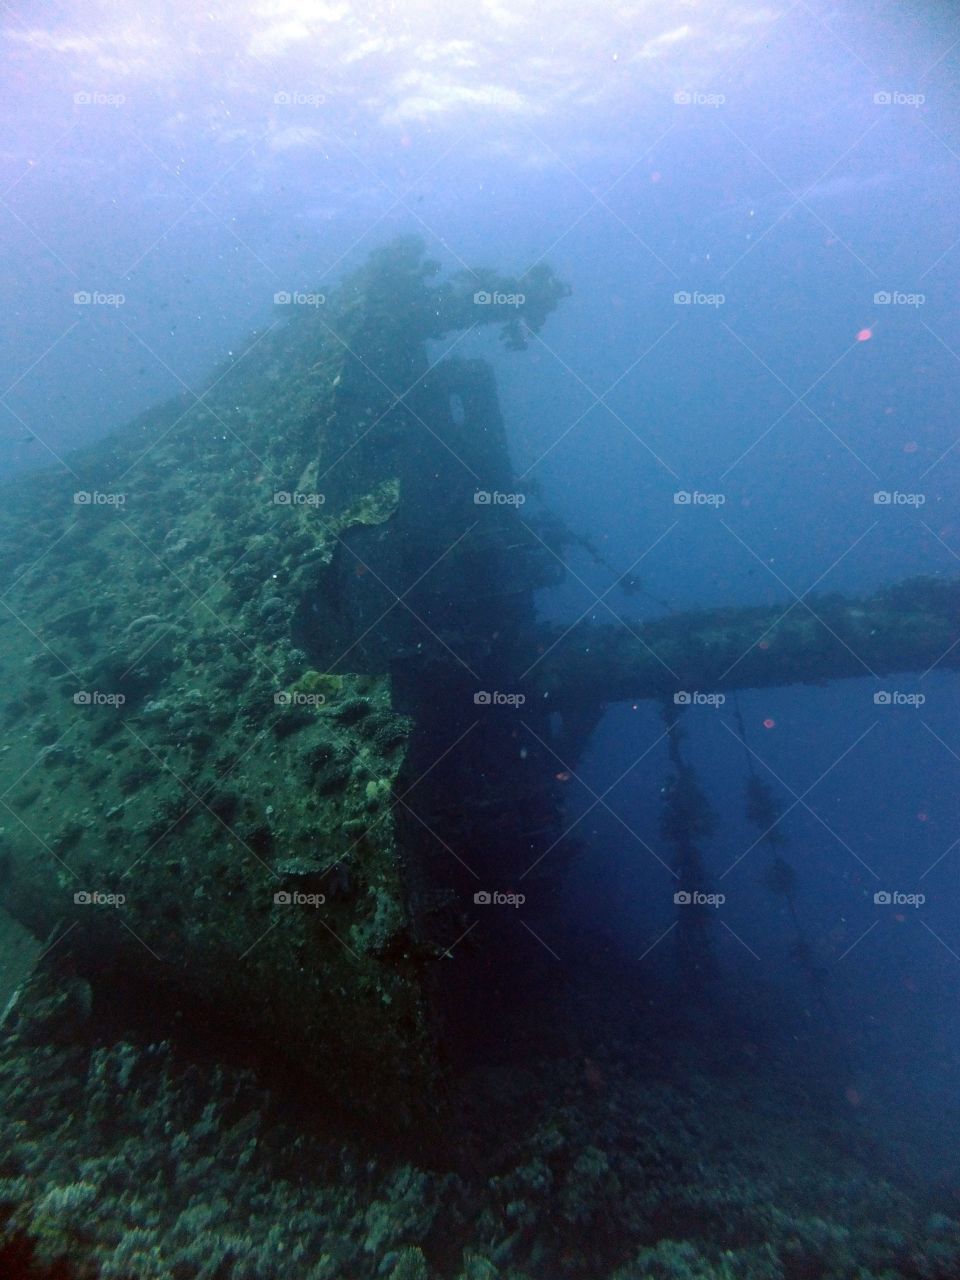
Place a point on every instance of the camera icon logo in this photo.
(282, 99)
(682, 298)
(882, 498)
(482, 698)
(482, 898)
(282, 699)
(482, 297)
(282, 299)
(882, 299)
(681, 699)
(82, 498)
(82, 698)
(83, 898)
(681, 498)
(83, 298)
(682, 898)
(882, 898)
(882, 698)
(281, 498)
(683, 98)
(282, 898)
(482, 498)
(882, 99)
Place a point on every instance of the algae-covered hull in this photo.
(204, 738)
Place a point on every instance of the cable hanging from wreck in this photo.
(687, 819)
(765, 812)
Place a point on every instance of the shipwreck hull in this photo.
(236, 637)
(277, 706)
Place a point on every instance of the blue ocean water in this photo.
(748, 399)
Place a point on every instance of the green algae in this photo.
(375, 507)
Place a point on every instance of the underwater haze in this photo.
(480, 637)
